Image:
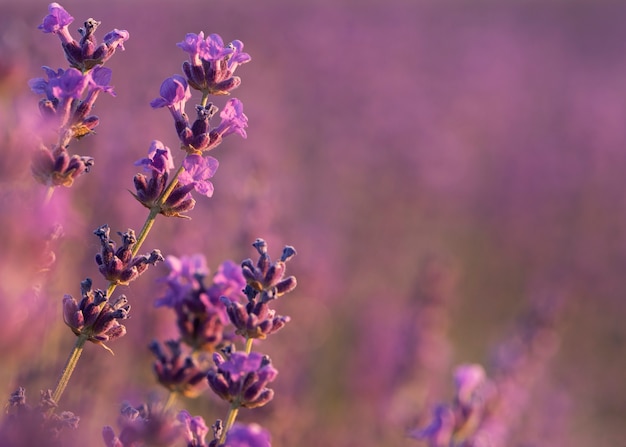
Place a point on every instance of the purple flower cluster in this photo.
(70, 95)
(209, 315)
(121, 266)
(242, 379)
(95, 317)
(85, 54)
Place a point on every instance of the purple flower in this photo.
(198, 171)
(120, 266)
(42, 86)
(95, 316)
(233, 119)
(159, 159)
(440, 430)
(237, 57)
(193, 44)
(228, 281)
(177, 372)
(194, 429)
(252, 435)
(266, 277)
(174, 94)
(116, 38)
(70, 84)
(242, 379)
(186, 274)
(146, 425)
(211, 63)
(57, 22)
(57, 168)
(214, 49)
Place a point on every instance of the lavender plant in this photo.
(212, 319)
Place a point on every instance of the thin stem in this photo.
(248, 347)
(70, 365)
(48, 196)
(171, 398)
(230, 420)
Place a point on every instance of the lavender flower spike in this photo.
(242, 379)
(95, 317)
(120, 266)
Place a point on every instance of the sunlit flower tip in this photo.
(120, 266)
(243, 379)
(252, 435)
(194, 429)
(177, 372)
(95, 317)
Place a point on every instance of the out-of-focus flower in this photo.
(194, 429)
(252, 435)
(146, 425)
(177, 372)
(95, 317)
(57, 167)
(242, 379)
(24, 425)
(200, 314)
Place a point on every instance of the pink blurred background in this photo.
(484, 140)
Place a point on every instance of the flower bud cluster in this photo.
(177, 372)
(86, 53)
(95, 317)
(265, 281)
(120, 266)
(242, 379)
(211, 63)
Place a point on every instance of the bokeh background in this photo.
(438, 165)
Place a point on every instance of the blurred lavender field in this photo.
(439, 167)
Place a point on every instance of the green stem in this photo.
(171, 398)
(70, 365)
(248, 347)
(230, 420)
